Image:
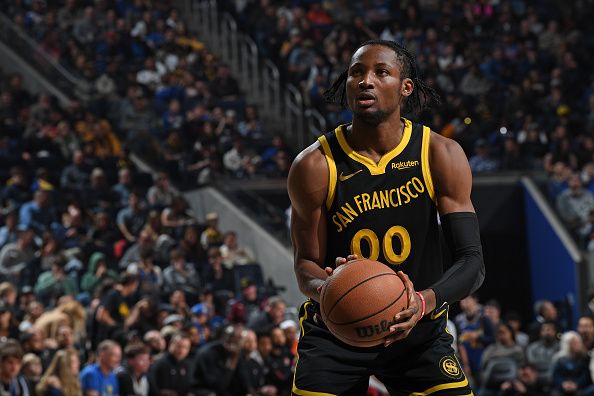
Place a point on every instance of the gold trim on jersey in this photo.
(437, 312)
(380, 167)
(425, 162)
(437, 388)
(296, 390)
(331, 170)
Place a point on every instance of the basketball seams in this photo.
(346, 293)
(373, 314)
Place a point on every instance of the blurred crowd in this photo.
(157, 90)
(108, 283)
(502, 356)
(515, 77)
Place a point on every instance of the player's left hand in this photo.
(408, 318)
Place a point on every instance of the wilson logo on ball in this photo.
(373, 330)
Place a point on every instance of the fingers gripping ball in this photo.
(359, 301)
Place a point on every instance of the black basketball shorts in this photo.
(422, 364)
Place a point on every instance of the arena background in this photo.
(532, 251)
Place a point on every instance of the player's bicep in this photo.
(451, 175)
(308, 188)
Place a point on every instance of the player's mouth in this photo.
(365, 99)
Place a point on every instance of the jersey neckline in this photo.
(380, 167)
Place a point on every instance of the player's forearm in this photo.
(461, 231)
(310, 276)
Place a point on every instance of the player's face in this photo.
(374, 86)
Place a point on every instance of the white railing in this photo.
(27, 48)
(260, 78)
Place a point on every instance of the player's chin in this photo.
(371, 115)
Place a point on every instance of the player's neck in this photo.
(378, 139)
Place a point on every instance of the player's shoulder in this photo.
(442, 148)
(309, 160)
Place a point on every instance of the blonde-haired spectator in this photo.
(61, 376)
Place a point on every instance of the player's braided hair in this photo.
(422, 97)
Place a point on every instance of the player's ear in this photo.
(407, 87)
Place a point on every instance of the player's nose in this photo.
(365, 82)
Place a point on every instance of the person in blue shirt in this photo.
(99, 379)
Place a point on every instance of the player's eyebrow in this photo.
(378, 64)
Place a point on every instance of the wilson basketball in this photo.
(359, 300)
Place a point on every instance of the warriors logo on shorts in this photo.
(449, 366)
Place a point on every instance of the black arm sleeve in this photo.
(466, 275)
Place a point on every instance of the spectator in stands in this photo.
(31, 369)
(217, 276)
(99, 194)
(15, 257)
(211, 236)
(132, 378)
(220, 366)
(97, 272)
(526, 384)
(61, 378)
(570, 371)
(8, 324)
(192, 248)
(481, 162)
(272, 315)
(132, 254)
(175, 216)
(171, 373)
(115, 314)
(224, 87)
(239, 161)
(11, 383)
(38, 213)
(75, 177)
(504, 346)
(131, 218)
(8, 232)
(99, 378)
(16, 191)
(155, 342)
(244, 309)
(123, 187)
(53, 284)
(160, 194)
(8, 294)
(251, 127)
(180, 275)
(575, 204)
(475, 332)
(492, 310)
(149, 275)
(585, 329)
(233, 254)
(540, 353)
(65, 337)
(281, 361)
(545, 312)
(257, 370)
(514, 319)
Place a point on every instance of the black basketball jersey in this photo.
(384, 211)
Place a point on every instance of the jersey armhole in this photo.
(331, 170)
(425, 162)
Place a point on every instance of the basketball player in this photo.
(372, 189)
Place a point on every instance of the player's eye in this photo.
(382, 72)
